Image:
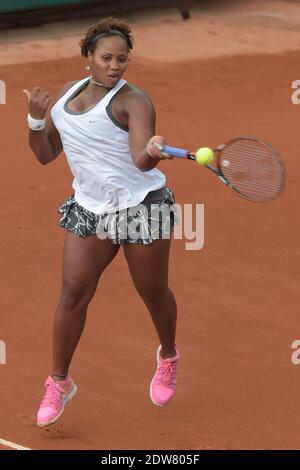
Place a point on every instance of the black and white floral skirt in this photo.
(152, 219)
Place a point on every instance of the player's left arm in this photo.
(141, 124)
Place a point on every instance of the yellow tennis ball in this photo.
(204, 155)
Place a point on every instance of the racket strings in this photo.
(253, 168)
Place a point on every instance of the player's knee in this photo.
(75, 296)
(155, 296)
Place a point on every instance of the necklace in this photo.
(94, 82)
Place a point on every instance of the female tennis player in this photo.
(106, 127)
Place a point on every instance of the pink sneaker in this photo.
(56, 396)
(163, 384)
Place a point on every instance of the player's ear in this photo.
(90, 57)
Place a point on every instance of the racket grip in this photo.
(176, 152)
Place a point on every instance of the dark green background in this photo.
(7, 6)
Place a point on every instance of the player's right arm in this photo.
(45, 144)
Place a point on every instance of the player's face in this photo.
(109, 60)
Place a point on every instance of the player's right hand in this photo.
(155, 148)
(38, 102)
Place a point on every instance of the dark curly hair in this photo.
(89, 42)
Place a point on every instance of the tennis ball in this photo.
(204, 155)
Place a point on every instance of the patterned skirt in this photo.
(152, 219)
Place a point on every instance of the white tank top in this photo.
(98, 153)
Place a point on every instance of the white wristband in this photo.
(36, 124)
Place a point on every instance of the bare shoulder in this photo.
(134, 96)
(66, 87)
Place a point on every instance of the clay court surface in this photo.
(219, 75)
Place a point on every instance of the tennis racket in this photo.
(248, 165)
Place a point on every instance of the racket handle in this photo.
(176, 152)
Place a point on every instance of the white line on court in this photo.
(13, 445)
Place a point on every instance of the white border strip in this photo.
(13, 445)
